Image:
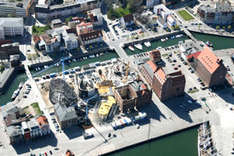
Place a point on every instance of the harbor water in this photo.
(155, 44)
(183, 143)
(180, 144)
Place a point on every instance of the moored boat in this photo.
(147, 44)
(138, 46)
(131, 48)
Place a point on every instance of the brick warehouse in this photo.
(209, 67)
(166, 81)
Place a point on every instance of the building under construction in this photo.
(132, 96)
(65, 100)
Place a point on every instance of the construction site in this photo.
(96, 94)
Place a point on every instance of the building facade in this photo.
(166, 82)
(132, 96)
(11, 27)
(11, 9)
(57, 39)
(127, 20)
(220, 12)
(46, 11)
(209, 67)
(165, 18)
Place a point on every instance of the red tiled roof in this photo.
(84, 24)
(195, 55)
(42, 120)
(90, 35)
(161, 75)
(208, 59)
(152, 65)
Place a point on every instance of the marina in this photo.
(157, 145)
(156, 43)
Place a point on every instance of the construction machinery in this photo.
(126, 73)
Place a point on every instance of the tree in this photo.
(2, 68)
(217, 27)
(68, 19)
(229, 27)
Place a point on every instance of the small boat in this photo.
(163, 40)
(209, 44)
(172, 37)
(92, 56)
(147, 44)
(131, 48)
(45, 66)
(166, 38)
(138, 46)
(15, 94)
(21, 85)
(179, 35)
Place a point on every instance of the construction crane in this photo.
(61, 61)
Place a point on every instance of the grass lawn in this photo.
(36, 108)
(185, 15)
(39, 30)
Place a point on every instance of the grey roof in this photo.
(56, 21)
(65, 113)
(33, 124)
(137, 85)
(9, 108)
(149, 69)
(11, 22)
(14, 131)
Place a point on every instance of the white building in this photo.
(11, 27)
(165, 18)
(7, 9)
(57, 40)
(151, 3)
(96, 16)
(47, 11)
(35, 130)
(221, 12)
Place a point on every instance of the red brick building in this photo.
(133, 95)
(165, 81)
(209, 67)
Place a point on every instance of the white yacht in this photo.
(147, 44)
(138, 46)
(131, 48)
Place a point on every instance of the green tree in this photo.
(68, 19)
(229, 27)
(217, 27)
(2, 68)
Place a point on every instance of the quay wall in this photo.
(50, 62)
(152, 38)
(152, 138)
(212, 33)
(9, 77)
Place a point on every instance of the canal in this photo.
(217, 41)
(183, 143)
